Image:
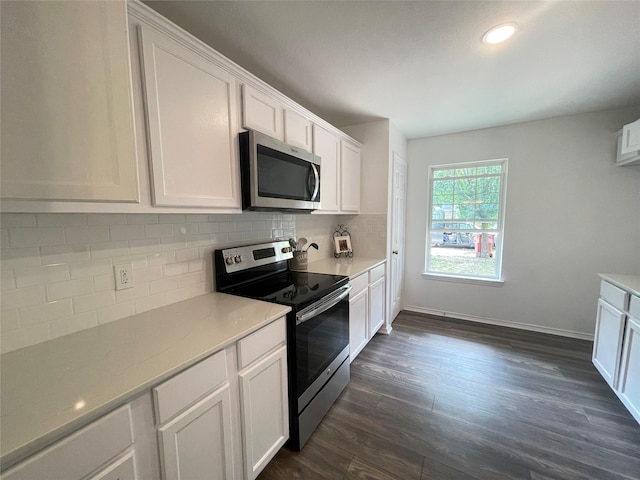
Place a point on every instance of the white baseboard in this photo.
(503, 323)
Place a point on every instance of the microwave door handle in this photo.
(316, 182)
(323, 307)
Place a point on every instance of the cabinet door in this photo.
(261, 112)
(350, 178)
(327, 146)
(358, 313)
(199, 440)
(297, 130)
(376, 306)
(67, 118)
(192, 122)
(607, 342)
(630, 138)
(265, 410)
(629, 378)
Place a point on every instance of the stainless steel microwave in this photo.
(277, 176)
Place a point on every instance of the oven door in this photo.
(322, 343)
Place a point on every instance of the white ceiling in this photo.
(421, 63)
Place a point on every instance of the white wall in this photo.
(57, 269)
(571, 213)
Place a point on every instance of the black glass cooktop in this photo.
(295, 289)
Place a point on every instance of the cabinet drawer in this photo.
(81, 453)
(634, 306)
(121, 469)
(178, 393)
(258, 343)
(614, 295)
(376, 273)
(358, 284)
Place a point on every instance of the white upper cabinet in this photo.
(327, 146)
(350, 178)
(262, 113)
(67, 121)
(297, 130)
(630, 137)
(192, 121)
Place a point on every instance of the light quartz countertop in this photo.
(350, 267)
(630, 283)
(51, 389)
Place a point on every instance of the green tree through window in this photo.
(465, 229)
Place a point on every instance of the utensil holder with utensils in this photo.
(300, 261)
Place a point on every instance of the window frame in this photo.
(497, 279)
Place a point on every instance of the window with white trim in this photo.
(466, 223)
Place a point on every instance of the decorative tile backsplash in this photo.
(57, 269)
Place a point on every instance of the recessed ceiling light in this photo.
(499, 33)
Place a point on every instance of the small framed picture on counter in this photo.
(343, 244)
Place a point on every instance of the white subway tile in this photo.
(9, 220)
(46, 312)
(171, 218)
(159, 230)
(7, 280)
(200, 289)
(87, 234)
(148, 245)
(146, 275)
(37, 236)
(64, 254)
(4, 238)
(185, 229)
(23, 297)
(136, 261)
(220, 239)
(102, 283)
(196, 265)
(42, 275)
(109, 249)
(235, 236)
(72, 324)
(141, 219)
(91, 269)
(106, 219)
(149, 303)
(260, 225)
(138, 291)
(161, 258)
(227, 227)
(164, 285)
(244, 226)
(115, 312)
(211, 227)
(179, 295)
(191, 279)
(9, 320)
(60, 219)
(173, 243)
(197, 218)
(185, 254)
(25, 337)
(198, 240)
(69, 289)
(173, 269)
(127, 232)
(86, 303)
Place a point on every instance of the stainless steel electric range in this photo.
(317, 326)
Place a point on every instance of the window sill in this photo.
(489, 282)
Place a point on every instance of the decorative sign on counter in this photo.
(342, 239)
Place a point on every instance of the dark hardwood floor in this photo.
(448, 399)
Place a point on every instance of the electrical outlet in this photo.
(124, 276)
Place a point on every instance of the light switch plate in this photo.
(124, 276)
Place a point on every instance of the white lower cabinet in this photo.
(196, 444)
(265, 415)
(366, 308)
(122, 469)
(616, 344)
(358, 315)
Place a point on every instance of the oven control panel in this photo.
(241, 258)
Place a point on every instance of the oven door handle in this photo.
(322, 305)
